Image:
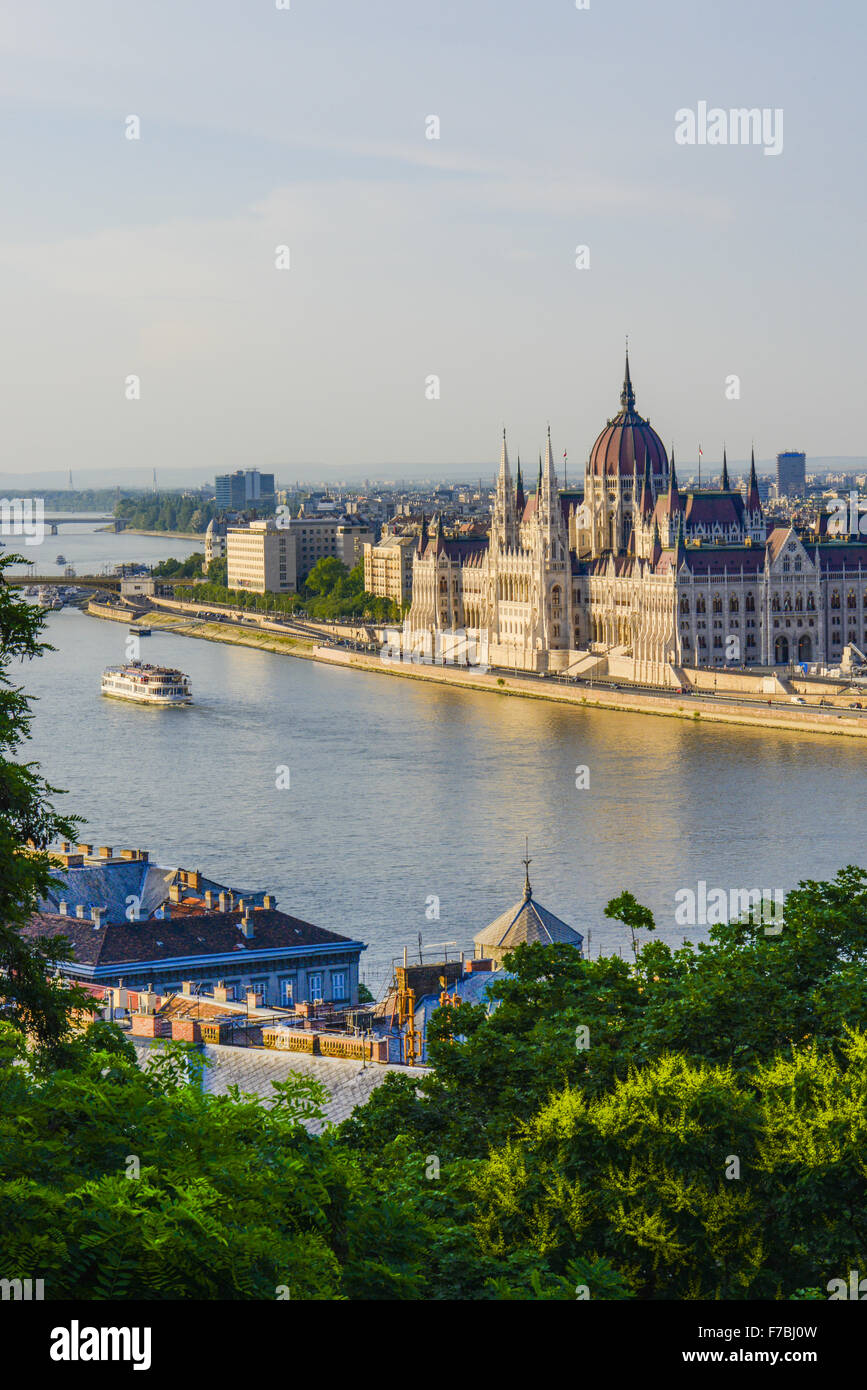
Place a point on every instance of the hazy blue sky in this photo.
(411, 257)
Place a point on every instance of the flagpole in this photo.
(699, 468)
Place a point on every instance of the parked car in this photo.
(856, 704)
(798, 700)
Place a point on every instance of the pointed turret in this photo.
(627, 395)
(520, 499)
(725, 472)
(753, 500)
(422, 535)
(504, 504)
(647, 489)
(674, 502)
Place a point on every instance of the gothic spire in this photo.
(647, 488)
(527, 861)
(627, 395)
(422, 535)
(725, 472)
(520, 499)
(753, 502)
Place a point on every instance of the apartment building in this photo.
(262, 558)
(317, 537)
(388, 568)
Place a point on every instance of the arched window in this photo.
(734, 605)
(700, 604)
(851, 601)
(835, 598)
(717, 603)
(775, 603)
(684, 605)
(750, 604)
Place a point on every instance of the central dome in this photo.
(626, 440)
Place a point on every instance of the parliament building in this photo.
(635, 577)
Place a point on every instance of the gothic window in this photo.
(750, 604)
(702, 643)
(700, 606)
(786, 566)
(851, 601)
(717, 603)
(775, 603)
(798, 566)
(835, 598)
(811, 603)
(734, 605)
(684, 605)
(799, 603)
(444, 586)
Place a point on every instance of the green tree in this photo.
(34, 1000)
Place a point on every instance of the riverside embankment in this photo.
(799, 719)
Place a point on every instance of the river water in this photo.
(405, 799)
(91, 550)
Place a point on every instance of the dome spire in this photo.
(527, 861)
(627, 395)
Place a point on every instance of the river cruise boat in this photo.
(147, 685)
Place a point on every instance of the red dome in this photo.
(626, 440)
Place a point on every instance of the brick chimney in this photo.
(254, 999)
(176, 893)
(187, 987)
(97, 914)
(105, 852)
(63, 909)
(80, 911)
(221, 994)
(209, 899)
(84, 849)
(269, 902)
(224, 902)
(246, 924)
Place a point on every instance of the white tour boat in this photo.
(147, 685)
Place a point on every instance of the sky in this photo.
(412, 258)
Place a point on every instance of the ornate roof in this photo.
(527, 921)
(627, 441)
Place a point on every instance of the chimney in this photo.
(221, 994)
(176, 893)
(231, 896)
(242, 906)
(254, 999)
(96, 914)
(269, 902)
(80, 910)
(246, 925)
(186, 987)
(105, 851)
(209, 899)
(147, 1001)
(63, 909)
(224, 902)
(84, 849)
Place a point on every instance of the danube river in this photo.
(405, 798)
(90, 549)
